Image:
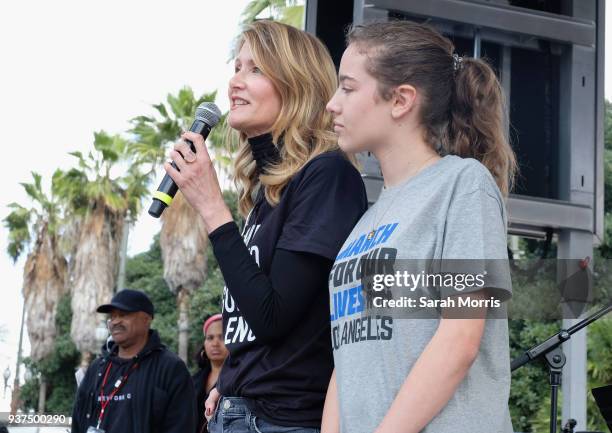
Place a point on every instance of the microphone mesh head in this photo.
(208, 113)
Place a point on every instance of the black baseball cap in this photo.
(129, 300)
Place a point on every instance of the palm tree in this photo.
(154, 134)
(183, 239)
(37, 229)
(100, 203)
(183, 242)
(290, 12)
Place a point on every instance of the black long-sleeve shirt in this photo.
(271, 304)
(276, 302)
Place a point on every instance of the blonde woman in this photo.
(301, 197)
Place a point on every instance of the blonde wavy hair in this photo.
(302, 72)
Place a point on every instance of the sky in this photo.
(69, 68)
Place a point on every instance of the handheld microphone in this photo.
(207, 115)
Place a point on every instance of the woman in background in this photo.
(210, 360)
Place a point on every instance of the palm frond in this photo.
(161, 108)
(293, 16)
(105, 144)
(68, 187)
(252, 10)
(18, 224)
(289, 12)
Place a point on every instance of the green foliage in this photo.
(529, 396)
(92, 181)
(599, 373)
(289, 12)
(204, 303)
(599, 367)
(608, 125)
(27, 223)
(58, 368)
(529, 383)
(145, 272)
(599, 355)
(29, 390)
(607, 179)
(606, 247)
(231, 200)
(18, 224)
(154, 134)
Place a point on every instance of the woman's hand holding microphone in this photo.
(197, 180)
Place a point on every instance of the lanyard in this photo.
(104, 402)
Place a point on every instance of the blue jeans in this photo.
(234, 416)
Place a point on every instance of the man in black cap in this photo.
(137, 386)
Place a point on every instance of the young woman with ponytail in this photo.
(435, 122)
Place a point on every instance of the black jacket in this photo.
(165, 397)
(199, 383)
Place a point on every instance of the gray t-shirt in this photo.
(452, 209)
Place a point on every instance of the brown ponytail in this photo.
(462, 110)
(476, 126)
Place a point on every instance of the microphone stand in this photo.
(550, 349)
